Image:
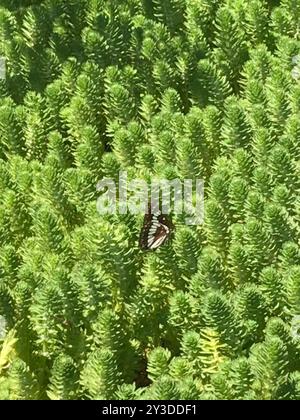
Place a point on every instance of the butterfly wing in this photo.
(143, 242)
(155, 231)
(160, 238)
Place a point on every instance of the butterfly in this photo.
(155, 231)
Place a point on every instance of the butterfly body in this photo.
(156, 230)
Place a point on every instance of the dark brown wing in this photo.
(155, 231)
(143, 241)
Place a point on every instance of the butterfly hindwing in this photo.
(155, 231)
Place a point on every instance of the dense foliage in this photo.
(165, 88)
